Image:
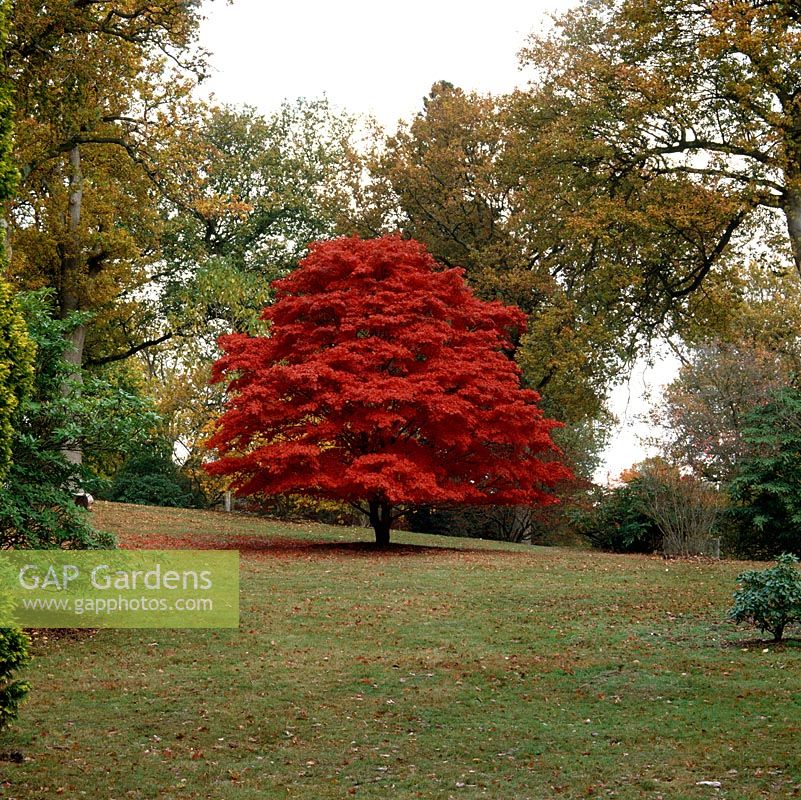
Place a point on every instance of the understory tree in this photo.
(59, 414)
(766, 488)
(701, 416)
(384, 381)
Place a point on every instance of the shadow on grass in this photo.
(787, 643)
(254, 546)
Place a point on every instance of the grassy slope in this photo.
(492, 671)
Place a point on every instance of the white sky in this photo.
(377, 58)
(368, 56)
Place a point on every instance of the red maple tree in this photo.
(383, 382)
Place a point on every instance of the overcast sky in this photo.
(371, 57)
(367, 56)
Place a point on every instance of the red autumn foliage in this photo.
(383, 381)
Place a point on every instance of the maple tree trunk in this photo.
(381, 520)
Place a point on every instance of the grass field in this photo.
(443, 669)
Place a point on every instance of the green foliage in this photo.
(13, 652)
(43, 515)
(265, 187)
(150, 477)
(770, 599)
(16, 369)
(8, 171)
(91, 412)
(616, 520)
(13, 656)
(766, 489)
(60, 413)
(16, 348)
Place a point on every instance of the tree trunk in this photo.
(69, 297)
(381, 520)
(792, 213)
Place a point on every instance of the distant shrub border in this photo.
(770, 599)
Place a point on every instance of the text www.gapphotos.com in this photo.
(113, 605)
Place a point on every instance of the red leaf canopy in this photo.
(383, 379)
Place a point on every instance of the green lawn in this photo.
(458, 669)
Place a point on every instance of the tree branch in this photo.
(133, 350)
(689, 145)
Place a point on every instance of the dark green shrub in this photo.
(13, 656)
(616, 520)
(446, 521)
(150, 477)
(766, 489)
(42, 516)
(770, 599)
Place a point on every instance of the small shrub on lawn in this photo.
(770, 599)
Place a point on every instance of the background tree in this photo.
(265, 186)
(702, 413)
(383, 382)
(661, 138)
(98, 89)
(451, 178)
(757, 350)
(258, 189)
(261, 188)
(766, 488)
